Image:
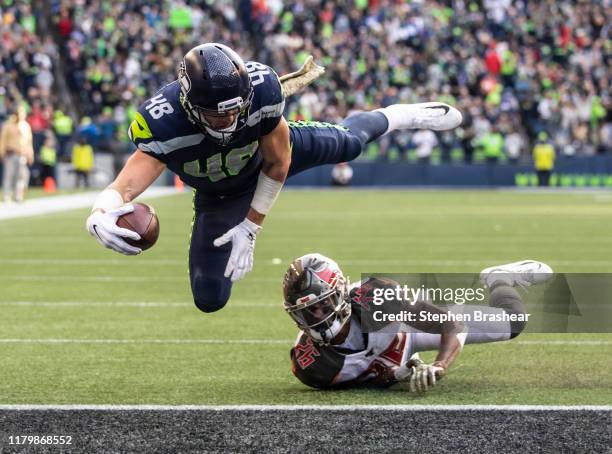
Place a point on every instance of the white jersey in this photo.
(363, 357)
(369, 358)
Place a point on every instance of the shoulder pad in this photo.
(361, 297)
(160, 125)
(361, 293)
(268, 98)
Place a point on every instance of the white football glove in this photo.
(243, 245)
(103, 227)
(423, 376)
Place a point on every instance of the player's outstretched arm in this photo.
(276, 153)
(423, 376)
(139, 172)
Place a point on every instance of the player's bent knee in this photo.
(354, 150)
(210, 295)
(507, 298)
(517, 327)
(206, 305)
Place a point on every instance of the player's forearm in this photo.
(452, 333)
(276, 152)
(128, 189)
(451, 345)
(139, 172)
(269, 185)
(118, 193)
(129, 186)
(430, 324)
(255, 216)
(277, 170)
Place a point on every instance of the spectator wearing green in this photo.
(28, 20)
(543, 158)
(63, 127)
(493, 145)
(437, 57)
(48, 157)
(598, 113)
(508, 68)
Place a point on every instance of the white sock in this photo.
(396, 116)
(426, 115)
(498, 278)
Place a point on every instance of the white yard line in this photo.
(47, 205)
(125, 261)
(148, 341)
(60, 341)
(567, 342)
(83, 279)
(86, 304)
(93, 262)
(266, 408)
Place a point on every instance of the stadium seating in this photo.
(524, 67)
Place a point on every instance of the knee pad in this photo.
(210, 295)
(517, 328)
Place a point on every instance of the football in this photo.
(143, 221)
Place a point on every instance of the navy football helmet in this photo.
(215, 87)
(316, 297)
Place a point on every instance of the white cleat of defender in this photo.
(523, 273)
(436, 116)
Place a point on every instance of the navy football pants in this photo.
(313, 144)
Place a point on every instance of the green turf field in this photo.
(58, 284)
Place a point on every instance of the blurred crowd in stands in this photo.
(521, 71)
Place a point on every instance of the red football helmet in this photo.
(316, 297)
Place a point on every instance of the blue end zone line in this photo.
(266, 408)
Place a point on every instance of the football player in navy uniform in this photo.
(220, 128)
(334, 348)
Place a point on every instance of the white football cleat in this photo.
(523, 273)
(436, 116)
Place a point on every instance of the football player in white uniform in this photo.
(334, 348)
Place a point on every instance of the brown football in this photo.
(143, 221)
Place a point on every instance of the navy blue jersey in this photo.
(161, 129)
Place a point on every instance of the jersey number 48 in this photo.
(220, 166)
